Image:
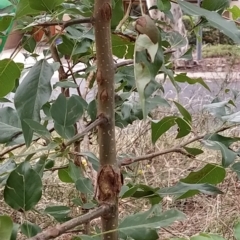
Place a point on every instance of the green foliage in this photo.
(49, 115)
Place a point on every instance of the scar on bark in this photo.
(109, 184)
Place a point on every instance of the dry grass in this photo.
(204, 213)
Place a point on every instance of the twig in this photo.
(66, 24)
(124, 63)
(177, 149)
(63, 228)
(97, 122)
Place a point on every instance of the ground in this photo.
(214, 64)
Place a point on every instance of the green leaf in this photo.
(38, 128)
(75, 172)
(84, 185)
(92, 110)
(235, 11)
(66, 111)
(236, 230)
(229, 28)
(117, 13)
(24, 188)
(143, 225)
(49, 163)
(40, 165)
(9, 73)
(14, 231)
(228, 156)
(184, 128)
(212, 174)
(6, 227)
(29, 229)
(184, 190)
(182, 77)
(164, 5)
(236, 168)
(23, 9)
(5, 169)
(159, 128)
(186, 115)
(29, 43)
(206, 236)
(60, 213)
(10, 125)
(65, 132)
(193, 151)
(122, 47)
(92, 159)
(45, 5)
(33, 92)
(227, 141)
(5, 22)
(5, 100)
(215, 5)
(64, 175)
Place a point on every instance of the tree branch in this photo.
(54, 232)
(177, 149)
(65, 24)
(100, 120)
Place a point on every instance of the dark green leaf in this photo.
(23, 189)
(66, 111)
(65, 132)
(38, 128)
(14, 231)
(5, 169)
(117, 13)
(23, 9)
(29, 43)
(122, 47)
(9, 72)
(212, 174)
(186, 115)
(30, 229)
(227, 141)
(193, 151)
(5, 22)
(45, 5)
(84, 185)
(64, 175)
(182, 77)
(49, 164)
(92, 110)
(185, 190)
(141, 226)
(33, 92)
(206, 236)
(159, 128)
(60, 213)
(184, 128)
(10, 125)
(65, 84)
(6, 227)
(75, 172)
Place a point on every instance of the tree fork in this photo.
(109, 179)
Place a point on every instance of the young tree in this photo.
(55, 131)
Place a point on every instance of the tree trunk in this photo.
(109, 180)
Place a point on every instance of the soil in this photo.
(213, 65)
